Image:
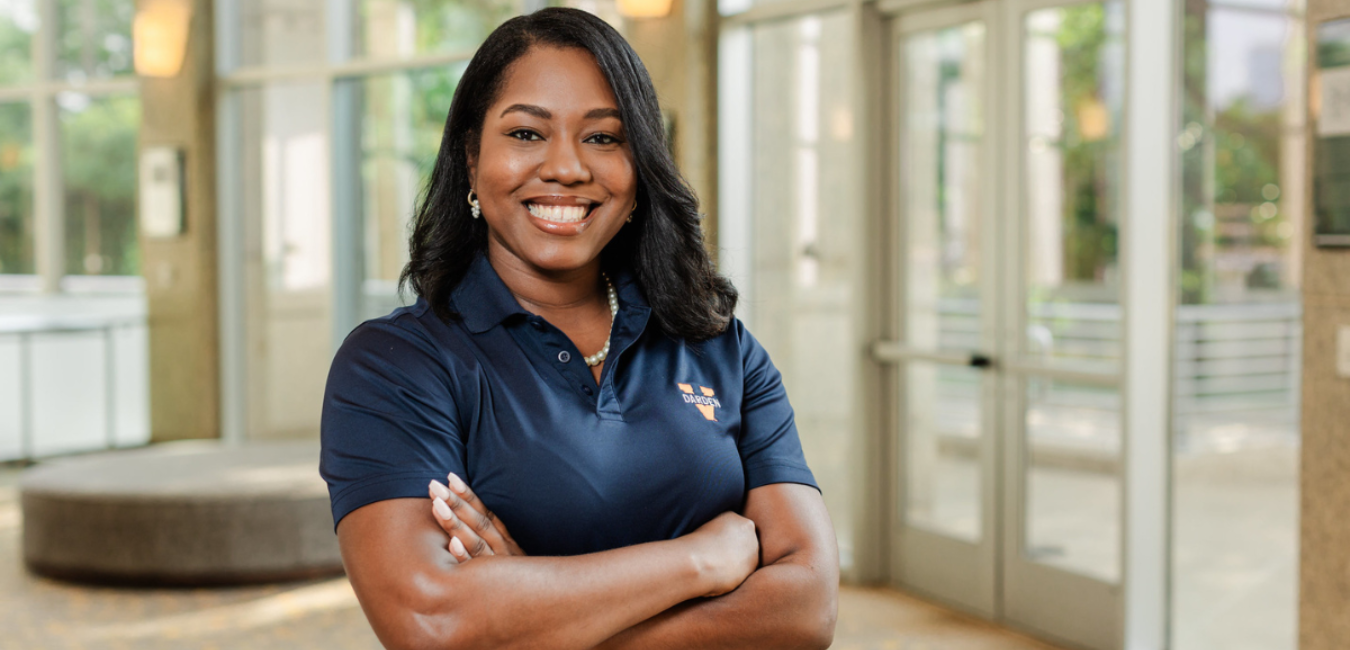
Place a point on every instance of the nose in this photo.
(563, 163)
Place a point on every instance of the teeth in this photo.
(558, 213)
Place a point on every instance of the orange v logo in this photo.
(705, 403)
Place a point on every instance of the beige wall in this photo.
(680, 52)
(180, 273)
(1324, 608)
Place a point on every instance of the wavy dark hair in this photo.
(662, 247)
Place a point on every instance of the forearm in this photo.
(788, 604)
(571, 602)
(531, 602)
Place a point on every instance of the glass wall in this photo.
(943, 193)
(1238, 335)
(17, 230)
(332, 124)
(793, 246)
(79, 139)
(397, 127)
(1073, 97)
(72, 309)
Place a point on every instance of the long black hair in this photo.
(662, 247)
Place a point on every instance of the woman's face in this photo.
(553, 173)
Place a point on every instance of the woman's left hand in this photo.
(474, 531)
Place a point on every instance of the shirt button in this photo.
(538, 324)
(587, 390)
(564, 356)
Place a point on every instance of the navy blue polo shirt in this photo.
(673, 434)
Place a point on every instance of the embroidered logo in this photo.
(705, 402)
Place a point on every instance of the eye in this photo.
(525, 134)
(603, 138)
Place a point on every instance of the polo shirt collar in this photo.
(489, 302)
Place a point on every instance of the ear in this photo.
(471, 161)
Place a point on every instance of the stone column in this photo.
(1324, 607)
(180, 272)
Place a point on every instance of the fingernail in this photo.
(442, 510)
(438, 490)
(457, 547)
(457, 484)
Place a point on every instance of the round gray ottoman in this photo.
(186, 513)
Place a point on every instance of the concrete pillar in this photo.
(1325, 492)
(180, 272)
(680, 52)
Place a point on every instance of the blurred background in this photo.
(1033, 270)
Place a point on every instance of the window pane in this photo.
(281, 32)
(286, 208)
(1072, 460)
(1073, 83)
(941, 194)
(401, 117)
(805, 231)
(93, 38)
(16, 189)
(1238, 332)
(943, 415)
(401, 28)
(98, 170)
(18, 21)
(942, 188)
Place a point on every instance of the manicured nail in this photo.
(442, 510)
(457, 547)
(438, 490)
(457, 484)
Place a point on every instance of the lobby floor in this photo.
(41, 614)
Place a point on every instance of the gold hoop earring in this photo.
(474, 209)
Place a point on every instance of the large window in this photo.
(330, 121)
(1237, 362)
(69, 116)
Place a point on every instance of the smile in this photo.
(559, 213)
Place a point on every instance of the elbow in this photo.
(423, 619)
(819, 618)
(426, 632)
(817, 631)
(414, 631)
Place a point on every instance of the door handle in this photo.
(981, 361)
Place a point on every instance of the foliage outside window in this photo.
(90, 155)
(1237, 226)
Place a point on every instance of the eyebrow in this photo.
(544, 114)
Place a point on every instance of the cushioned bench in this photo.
(186, 513)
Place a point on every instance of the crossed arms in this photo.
(695, 591)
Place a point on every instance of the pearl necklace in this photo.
(598, 357)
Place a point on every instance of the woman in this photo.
(612, 438)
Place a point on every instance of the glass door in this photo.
(945, 528)
(1063, 486)
(1006, 184)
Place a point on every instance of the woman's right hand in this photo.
(726, 551)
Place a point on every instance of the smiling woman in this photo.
(567, 310)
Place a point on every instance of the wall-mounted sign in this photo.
(1330, 103)
(161, 192)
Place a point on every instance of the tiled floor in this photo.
(41, 614)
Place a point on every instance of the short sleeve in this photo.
(389, 423)
(770, 449)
